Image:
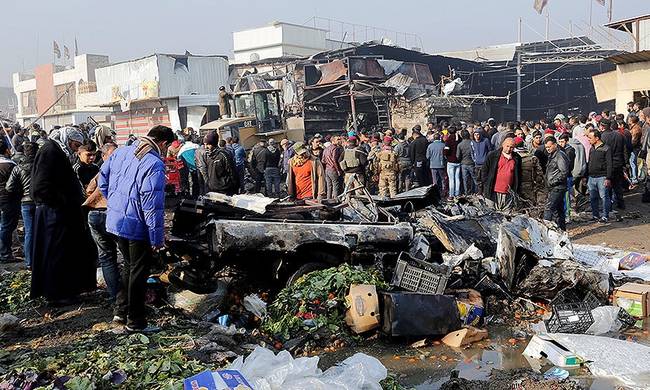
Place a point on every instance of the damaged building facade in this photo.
(161, 89)
(375, 85)
(363, 87)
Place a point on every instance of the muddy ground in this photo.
(629, 233)
(50, 330)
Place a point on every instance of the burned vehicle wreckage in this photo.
(466, 242)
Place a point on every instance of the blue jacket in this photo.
(135, 191)
(480, 150)
(436, 154)
(240, 156)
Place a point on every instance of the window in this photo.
(244, 105)
(69, 101)
(28, 102)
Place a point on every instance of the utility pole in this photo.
(519, 85)
(519, 35)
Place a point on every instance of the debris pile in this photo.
(312, 310)
(362, 269)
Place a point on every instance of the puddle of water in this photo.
(430, 367)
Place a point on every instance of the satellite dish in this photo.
(255, 57)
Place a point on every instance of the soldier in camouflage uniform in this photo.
(388, 169)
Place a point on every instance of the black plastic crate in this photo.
(420, 276)
(626, 319)
(570, 318)
(571, 296)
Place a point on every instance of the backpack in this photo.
(221, 172)
(350, 159)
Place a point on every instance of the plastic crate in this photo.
(626, 319)
(420, 276)
(570, 318)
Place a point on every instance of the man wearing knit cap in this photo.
(388, 168)
(418, 153)
(221, 174)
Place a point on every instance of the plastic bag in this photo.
(605, 320)
(266, 371)
(255, 305)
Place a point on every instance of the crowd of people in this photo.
(82, 196)
(548, 166)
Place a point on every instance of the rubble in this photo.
(453, 268)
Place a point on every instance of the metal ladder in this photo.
(383, 116)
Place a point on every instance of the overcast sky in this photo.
(130, 29)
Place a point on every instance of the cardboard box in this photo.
(634, 298)
(363, 312)
(543, 346)
(632, 260)
(465, 336)
(217, 380)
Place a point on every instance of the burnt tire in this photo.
(305, 269)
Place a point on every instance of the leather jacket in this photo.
(20, 180)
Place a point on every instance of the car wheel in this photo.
(305, 269)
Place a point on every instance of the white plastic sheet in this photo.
(605, 320)
(253, 202)
(255, 305)
(266, 371)
(607, 357)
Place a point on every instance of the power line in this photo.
(560, 104)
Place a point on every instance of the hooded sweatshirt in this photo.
(580, 161)
(480, 149)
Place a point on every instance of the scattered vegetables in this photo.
(316, 301)
(14, 291)
(135, 361)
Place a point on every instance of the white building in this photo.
(280, 39)
(172, 90)
(37, 92)
(630, 82)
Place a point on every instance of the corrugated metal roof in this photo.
(400, 82)
(630, 58)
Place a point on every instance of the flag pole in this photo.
(591, 14)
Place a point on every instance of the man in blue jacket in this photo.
(133, 182)
(481, 146)
(436, 156)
